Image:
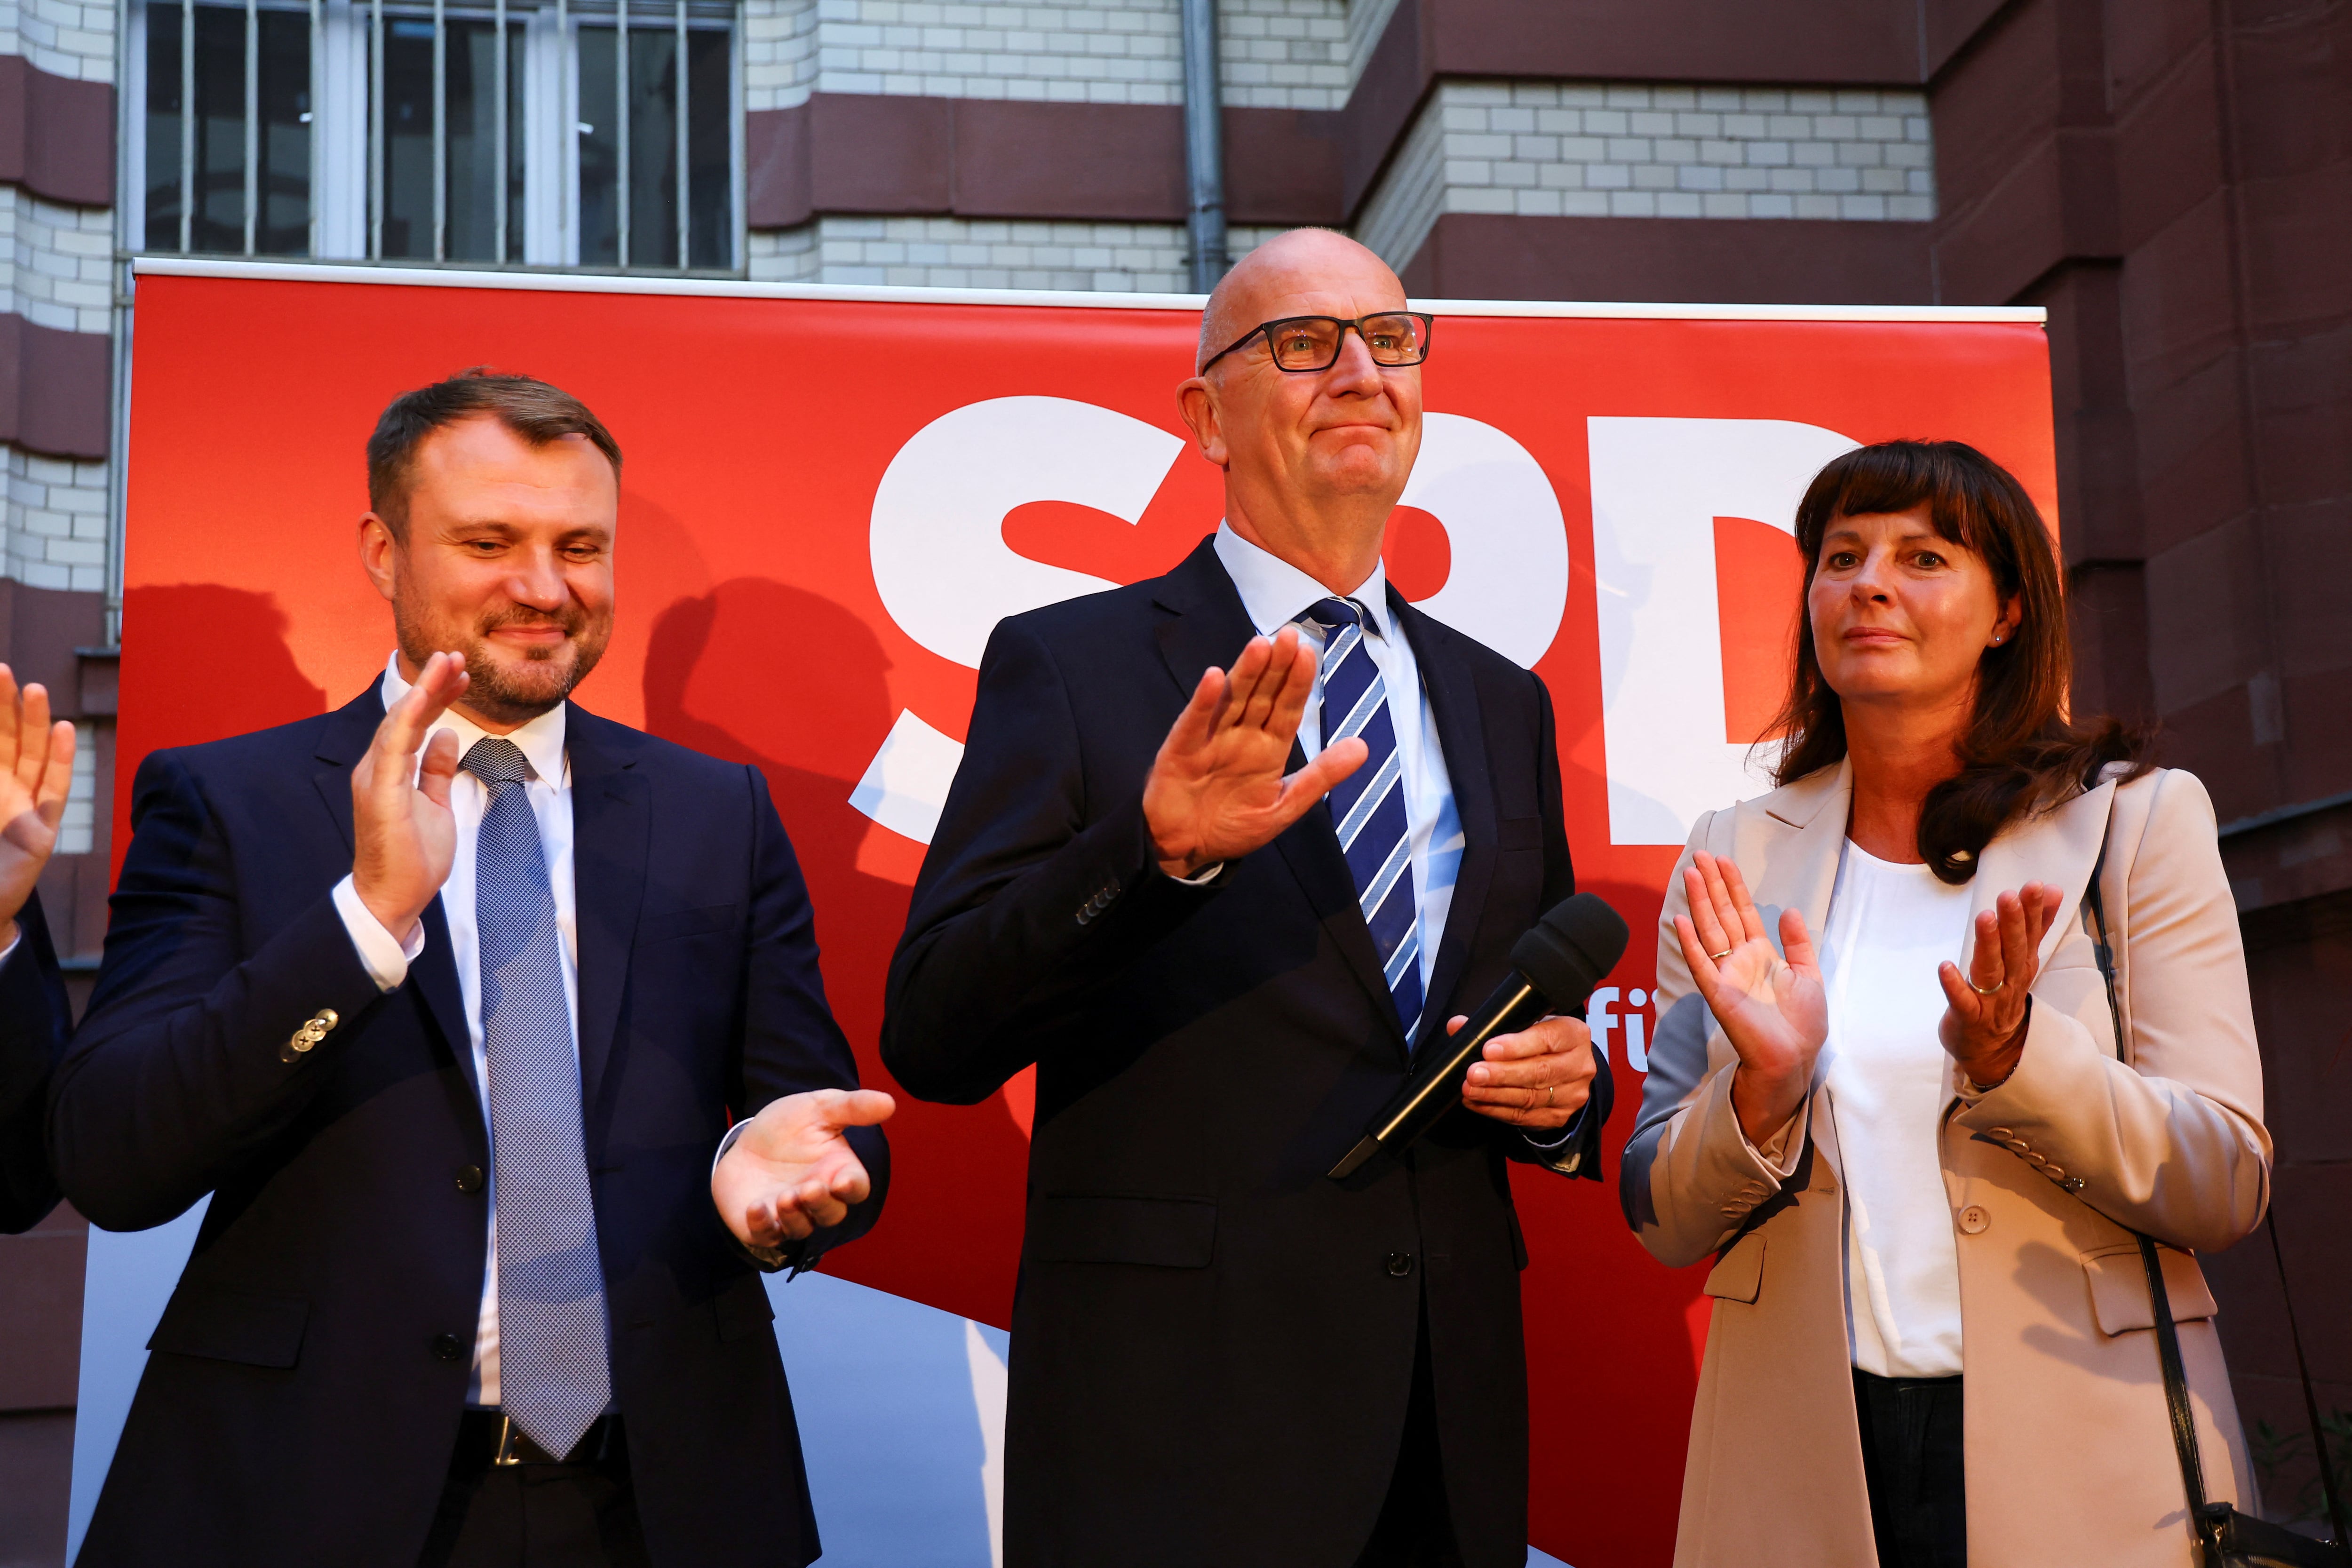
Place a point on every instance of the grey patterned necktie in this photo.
(554, 1363)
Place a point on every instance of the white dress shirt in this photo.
(1276, 594)
(387, 961)
(1889, 1082)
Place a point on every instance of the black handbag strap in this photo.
(2167, 1339)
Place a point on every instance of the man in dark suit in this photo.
(447, 998)
(36, 774)
(1219, 1355)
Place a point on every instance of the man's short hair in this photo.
(525, 404)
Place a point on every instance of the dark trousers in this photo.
(1912, 1460)
(582, 1513)
(1415, 1529)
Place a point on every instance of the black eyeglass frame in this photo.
(1266, 329)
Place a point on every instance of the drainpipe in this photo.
(1204, 143)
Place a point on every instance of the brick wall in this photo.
(1620, 149)
(962, 253)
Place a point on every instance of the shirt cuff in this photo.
(1205, 876)
(1559, 1140)
(14, 943)
(1777, 1155)
(726, 1144)
(385, 960)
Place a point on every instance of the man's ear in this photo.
(1196, 400)
(380, 552)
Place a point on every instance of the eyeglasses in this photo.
(1304, 344)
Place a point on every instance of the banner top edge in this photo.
(727, 288)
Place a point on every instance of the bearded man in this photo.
(447, 999)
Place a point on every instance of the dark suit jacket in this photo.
(303, 1398)
(34, 1019)
(1213, 1343)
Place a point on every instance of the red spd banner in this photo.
(832, 495)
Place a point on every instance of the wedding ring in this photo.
(1548, 1097)
(1719, 957)
(1988, 991)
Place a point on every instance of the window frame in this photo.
(349, 155)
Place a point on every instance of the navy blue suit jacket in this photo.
(1213, 1343)
(302, 1396)
(33, 1024)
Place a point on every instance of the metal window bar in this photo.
(684, 169)
(567, 144)
(440, 133)
(499, 187)
(187, 124)
(375, 153)
(621, 118)
(318, 122)
(252, 119)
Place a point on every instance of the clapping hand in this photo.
(404, 833)
(1217, 789)
(793, 1171)
(36, 772)
(1772, 1009)
(1984, 1023)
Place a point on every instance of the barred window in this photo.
(564, 133)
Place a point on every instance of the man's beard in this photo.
(502, 692)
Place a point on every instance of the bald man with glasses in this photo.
(1226, 850)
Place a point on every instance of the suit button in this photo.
(470, 1178)
(444, 1347)
(1400, 1264)
(1974, 1220)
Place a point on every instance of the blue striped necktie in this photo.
(554, 1363)
(1367, 805)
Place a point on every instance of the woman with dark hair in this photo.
(1886, 1091)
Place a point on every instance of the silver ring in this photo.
(1719, 957)
(1981, 990)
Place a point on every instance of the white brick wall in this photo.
(73, 38)
(1285, 54)
(1292, 54)
(779, 52)
(55, 262)
(1550, 149)
(53, 521)
(962, 253)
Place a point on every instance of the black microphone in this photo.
(1554, 968)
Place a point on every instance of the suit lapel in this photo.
(2058, 846)
(1453, 699)
(1800, 835)
(1204, 624)
(612, 824)
(349, 730)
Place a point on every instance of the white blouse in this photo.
(1889, 1084)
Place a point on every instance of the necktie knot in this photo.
(496, 761)
(1333, 615)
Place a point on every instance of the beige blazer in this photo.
(2069, 1452)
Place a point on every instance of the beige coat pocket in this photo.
(1738, 1274)
(2119, 1298)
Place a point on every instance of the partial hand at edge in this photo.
(404, 837)
(793, 1172)
(36, 775)
(1217, 790)
(1772, 1009)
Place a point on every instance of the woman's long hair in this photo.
(2022, 751)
